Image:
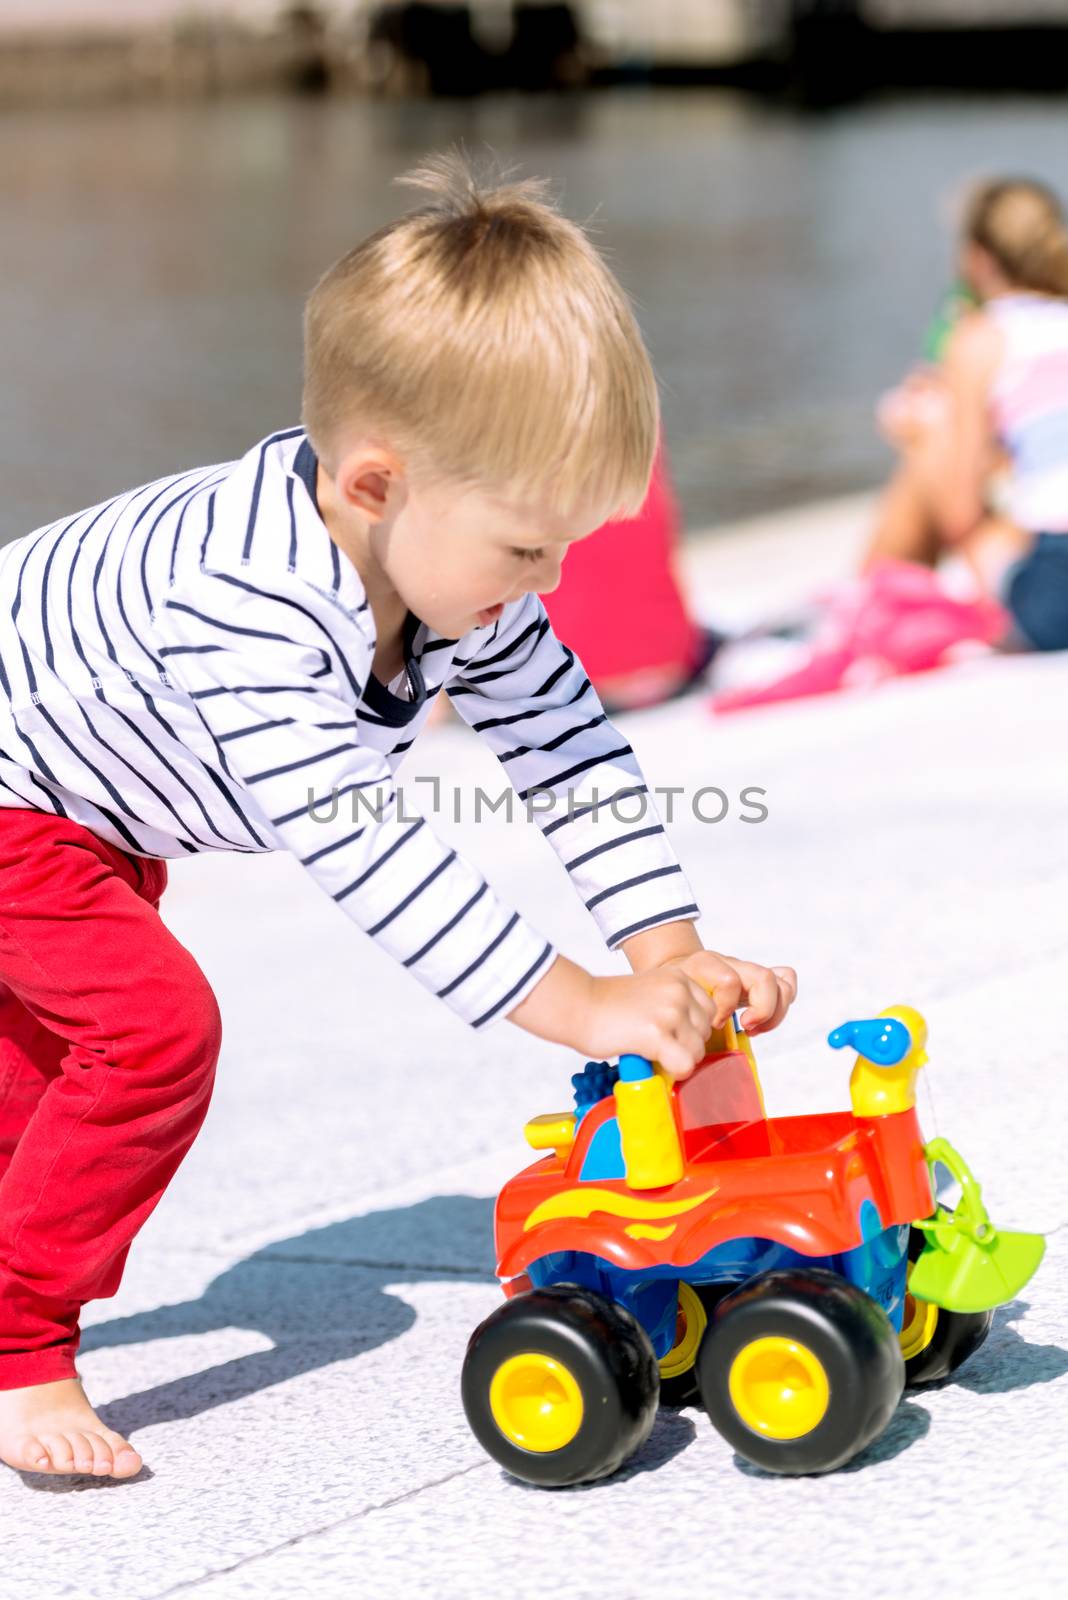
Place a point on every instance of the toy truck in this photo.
(673, 1244)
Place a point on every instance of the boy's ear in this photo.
(372, 483)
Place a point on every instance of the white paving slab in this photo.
(285, 1348)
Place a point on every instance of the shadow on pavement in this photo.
(312, 1318)
(1007, 1361)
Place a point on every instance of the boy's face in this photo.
(457, 558)
(454, 556)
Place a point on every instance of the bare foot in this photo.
(51, 1427)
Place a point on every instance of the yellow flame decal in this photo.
(585, 1201)
(646, 1230)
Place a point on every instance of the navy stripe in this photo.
(292, 563)
(182, 498)
(313, 805)
(255, 505)
(328, 849)
(257, 727)
(386, 855)
(282, 599)
(580, 766)
(23, 800)
(414, 895)
(255, 688)
(481, 959)
(247, 633)
(553, 744)
(514, 990)
(599, 849)
(540, 629)
(178, 534)
(295, 766)
(630, 883)
(523, 716)
(412, 961)
(652, 922)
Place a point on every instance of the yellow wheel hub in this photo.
(779, 1388)
(536, 1402)
(918, 1326)
(689, 1330)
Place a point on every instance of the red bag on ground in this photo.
(619, 604)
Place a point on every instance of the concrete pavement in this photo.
(286, 1346)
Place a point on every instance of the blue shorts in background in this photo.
(1035, 591)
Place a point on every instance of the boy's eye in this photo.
(528, 555)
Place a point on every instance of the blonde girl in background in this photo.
(983, 436)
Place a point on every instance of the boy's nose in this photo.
(548, 574)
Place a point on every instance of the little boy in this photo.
(230, 658)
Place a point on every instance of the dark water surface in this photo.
(784, 265)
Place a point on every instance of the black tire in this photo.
(935, 1342)
(681, 1387)
(849, 1361)
(608, 1361)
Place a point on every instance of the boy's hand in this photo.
(768, 992)
(664, 1015)
(664, 1011)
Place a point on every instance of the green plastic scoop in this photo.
(967, 1264)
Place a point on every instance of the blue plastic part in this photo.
(594, 1083)
(604, 1158)
(632, 1069)
(882, 1040)
(878, 1266)
(871, 1223)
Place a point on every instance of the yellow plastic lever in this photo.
(648, 1133)
(553, 1130)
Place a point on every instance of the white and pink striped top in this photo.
(1029, 405)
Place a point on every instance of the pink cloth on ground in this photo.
(896, 619)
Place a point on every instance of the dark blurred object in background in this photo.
(815, 52)
(531, 47)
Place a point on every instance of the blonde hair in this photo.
(1020, 223)
(484, 337)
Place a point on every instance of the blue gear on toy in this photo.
(594, 1083)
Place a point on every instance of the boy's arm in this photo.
(529, 698)
(276, 670)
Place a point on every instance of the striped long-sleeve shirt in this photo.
(187, 667)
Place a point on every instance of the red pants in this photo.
(109, 1035)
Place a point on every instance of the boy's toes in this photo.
(101, 1455)
(127, 1462)
(35, 1457)
(125, 1459)
(82, 1449)
(60, 1453)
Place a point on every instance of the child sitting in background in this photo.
(997, 400)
